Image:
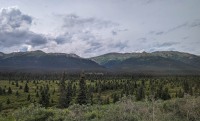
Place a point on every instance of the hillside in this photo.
(160, 61)
(167, 62)
(41, 61)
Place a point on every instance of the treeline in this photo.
(96, 88)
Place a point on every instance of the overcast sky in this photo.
(94, 27)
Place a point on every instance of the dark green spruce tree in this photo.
(69, 94)
(64, 95)
(9, 90)
(82, 98)
(44, 97)
(140, 94)
(26, 88)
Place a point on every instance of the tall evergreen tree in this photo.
(69, 94)
(1, 91)
(140, 93)
(115, 98)
(82, 99)
(44, 98)
(165, 94)
(1, 106)
(9, 90)
(17, 93)
(26, 88)
(62, 90)
(186, 86)
(8, 101)
(17, 84)
(28, 97)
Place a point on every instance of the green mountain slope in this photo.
(41, 61)
(165, 61)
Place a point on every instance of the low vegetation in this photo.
(180, 109)
(99, 97)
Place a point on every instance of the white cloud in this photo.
(14, 31)
(99, 27)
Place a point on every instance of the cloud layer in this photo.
(83, 36)
(14, 31)
(94, 27)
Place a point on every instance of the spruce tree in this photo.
(37, 94)
(26, 88)
(140, 93)
(8, 101)
(115, 98)
(1, 106)
(191, 91)
(82, 99)
(186, 86)
(44, 98)
(165, 94)
(62, 90)
(9, 90)
(28, 97)
(17, 84)
(17, 93)
(1, 91)
(69, 94)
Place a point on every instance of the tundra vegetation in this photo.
(96, 97)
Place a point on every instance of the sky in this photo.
(94, 27)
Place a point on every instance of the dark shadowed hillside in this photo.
(40, 61)
(167, 62)
(161, 61)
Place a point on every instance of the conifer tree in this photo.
(82, 99)
(37, 94)
(8, 101)
(17, 93)
(115, 98)
(29, 97)
(1, 106)
(69, 94)
(140, 93)
(44, 98)
(9, 90)
(62, 90)
(1, 91)
(191, 91)
(17, 84)
(165, 94)
(186, 86)
(26, 88)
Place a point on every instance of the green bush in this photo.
(32, 113)
(183, 109)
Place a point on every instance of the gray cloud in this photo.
(177, 27)
(8, 39)
(86, 36)
(14, 29)
(114, 33)
(165, 44)
(97, 27)
(12, 19)
(143, 39)
(159, 33)
(195, 23)
(188, 25)
(75, 21)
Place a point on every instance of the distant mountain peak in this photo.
(38, 53)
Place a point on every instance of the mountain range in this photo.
(169, 62)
